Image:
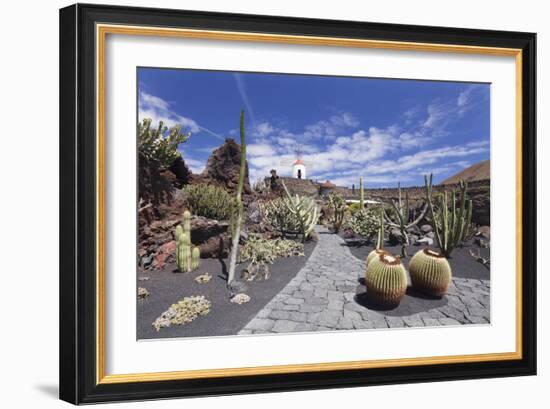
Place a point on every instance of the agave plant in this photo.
(305, 210)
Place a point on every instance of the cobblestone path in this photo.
(322, 297)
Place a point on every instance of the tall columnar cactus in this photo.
(381, 228)
(238, 217)
(337, 204)
(187, 256)
(430, 272)
(361, 194)
(305, 210)
(386, 280)
(452, 228)
(404, 218)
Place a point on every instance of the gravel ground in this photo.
(225, 318)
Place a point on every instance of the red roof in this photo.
(328, 183)
(298, 162)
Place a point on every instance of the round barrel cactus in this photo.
(430, 272)
(375, 253)
(386, 280)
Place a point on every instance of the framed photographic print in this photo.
(258, 203)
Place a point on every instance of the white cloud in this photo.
(196, 166)
(150, 106)
(262, 130)
(330, 128)
(260, 149)
(158, 109)
(336, 148)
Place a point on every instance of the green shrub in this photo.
(209, 201)
(354, 208)
(258, 250)
(275, 213)
(337, 204)
(365, 222)
(160, 144)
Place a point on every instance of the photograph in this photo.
(272, 203)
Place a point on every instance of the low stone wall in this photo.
(478, 191)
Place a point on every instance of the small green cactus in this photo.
(430, 272)
(386, 280)
(187, 256)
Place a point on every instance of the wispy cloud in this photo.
(151, 106)
(241, 87)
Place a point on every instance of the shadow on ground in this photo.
(51, 391)
(414, 302)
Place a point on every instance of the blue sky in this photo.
(385, 130)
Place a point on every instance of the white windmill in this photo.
(298, 165)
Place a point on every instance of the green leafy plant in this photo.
(275, 214)
(209, 201)
(183, 312)
(365, 222)
(337, 204)
(160, 143)
(259, 250)
(354, 208)
(451, 227)
(305, 210)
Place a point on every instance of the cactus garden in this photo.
(249, 226)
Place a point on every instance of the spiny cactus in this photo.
(160, 144)
(386, 280)
(305, 210)
(361, 194)
(374, 254)
(275, 213)
(381, 227)
(430, 272)
(237, 218)
(452, 228)
(404, 218)
(338, 205)
(187, 256)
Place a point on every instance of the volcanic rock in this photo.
(223, 168)
(396, 237)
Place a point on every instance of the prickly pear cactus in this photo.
(386, 280)
(430, 272)
(373, 254)
(187, 256)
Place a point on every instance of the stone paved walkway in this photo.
(322, 297)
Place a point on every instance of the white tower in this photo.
(298, 170)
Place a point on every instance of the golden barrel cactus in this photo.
(386, 280)
(430, 272)
(373, 254)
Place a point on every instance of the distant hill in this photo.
(478, 171)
